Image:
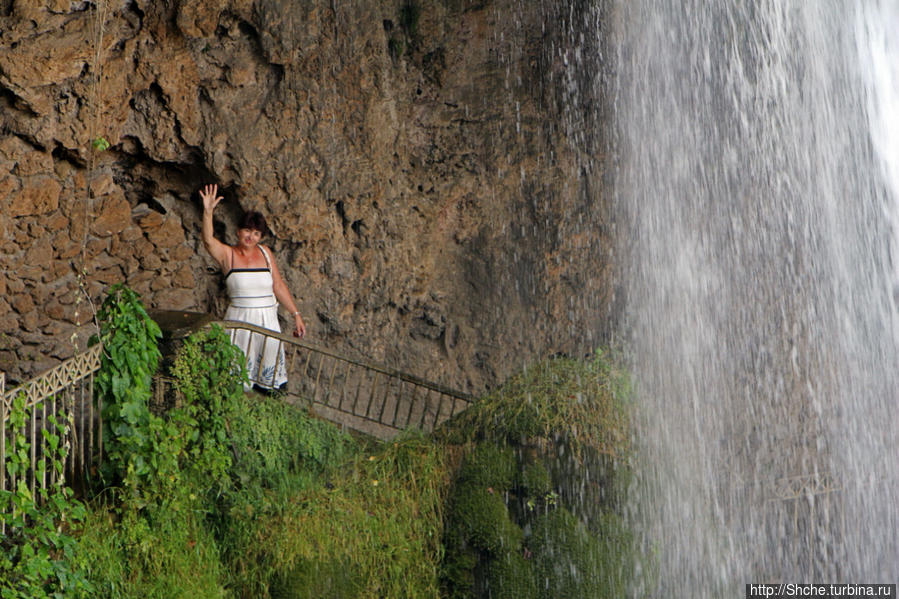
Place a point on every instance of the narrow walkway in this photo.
(353, 392)
(360, 395)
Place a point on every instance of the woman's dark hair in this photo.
(253, 220)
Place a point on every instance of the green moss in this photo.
(565, 557)
(571, 562)
(313, 579)
(534, 480)
(555, 440)
(480, 519)
(458, 570)
(489, 466)
(479, 528)
(511, 576)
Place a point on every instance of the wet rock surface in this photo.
(428, 203)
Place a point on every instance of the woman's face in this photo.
(248, 237)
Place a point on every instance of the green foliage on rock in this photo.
(100, 144)
(561, 401)
(510, 576)
(533, 508)
(534, 480)
(489, 466)
(235, 495)
(574, 561)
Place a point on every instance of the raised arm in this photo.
(282, 293)
(218, 250)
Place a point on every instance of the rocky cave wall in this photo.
(431, 208)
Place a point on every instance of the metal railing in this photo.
(361, 395)
(65, 392)
(367, 397)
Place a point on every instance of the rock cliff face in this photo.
(425, 166)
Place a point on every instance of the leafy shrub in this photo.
(209, 375)
(37, 552)
(134, 437)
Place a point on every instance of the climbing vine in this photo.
(98, 143)
(152, 454)
(37, 550)
(209, 375)
(130, 357)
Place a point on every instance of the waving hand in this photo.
(210, 197)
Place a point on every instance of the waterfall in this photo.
(756, 149)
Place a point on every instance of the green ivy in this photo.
(100, 144)
(209, 375)
(37, 551)
(138, 444)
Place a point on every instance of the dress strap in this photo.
(265, 255)
(271, 272)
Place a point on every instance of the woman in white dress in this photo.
(255, 288)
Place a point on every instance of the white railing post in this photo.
(62, 379)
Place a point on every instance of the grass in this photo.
(581, 403)
(312, 512)
(381, 514)
(164, 555)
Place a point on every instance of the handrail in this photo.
(392, 372)
(57, 378)
(368, 397)
(65, 392)
(357, 393)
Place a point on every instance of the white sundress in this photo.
(251, 291)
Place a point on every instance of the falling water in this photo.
(757, 166)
